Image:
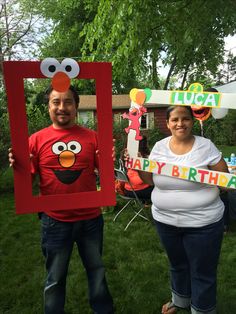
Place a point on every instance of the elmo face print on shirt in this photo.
(67, 154)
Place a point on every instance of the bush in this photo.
(220, 131)
(38, 118)
(154, 135)
(5, 141)
(120, 136)
(6, 180)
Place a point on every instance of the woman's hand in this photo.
(113, 151)
(11, 158)
(222, 167)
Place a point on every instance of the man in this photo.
(65, 157)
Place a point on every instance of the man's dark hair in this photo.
(171, 108)
(71, 88)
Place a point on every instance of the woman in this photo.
(188, 215)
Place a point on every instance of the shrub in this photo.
(5, 141)
(153, 136)
(6, 180)
(220, 131)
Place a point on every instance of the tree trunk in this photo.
(184, 76)
(155, 80)
(170, 72)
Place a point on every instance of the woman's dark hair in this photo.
(171, 108)
(143, 147)
(71, 88)
(211, 89)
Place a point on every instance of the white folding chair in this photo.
(134, 202)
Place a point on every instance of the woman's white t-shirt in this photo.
(184, 203)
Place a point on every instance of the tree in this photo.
(227, 71)
(134, 35)
(18, 28)
(190, 32)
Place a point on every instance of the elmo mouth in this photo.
(67, 176)
(201, 113)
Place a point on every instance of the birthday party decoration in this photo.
(191, 97)
(203, 113)
(194, 96)
(138, 97)
(61, 73)
(219, 113)
(133, 116)
(206, 176)
(14, 74)
(203, 103)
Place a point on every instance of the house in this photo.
(154, 118)
(227, 88)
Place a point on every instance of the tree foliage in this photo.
(20, 29)
(19, 25)
(186, 35)
(227, 71)
(191, 33)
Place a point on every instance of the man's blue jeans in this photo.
(57, 243)
(193, 254)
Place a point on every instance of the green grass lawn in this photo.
(227, 150)
(137, 266)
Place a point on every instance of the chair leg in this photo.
(136, 215)
(140, 215)
(120, 211)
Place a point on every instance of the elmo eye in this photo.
(50, 66)
(74, 146)
(70, 67)
(59, 147)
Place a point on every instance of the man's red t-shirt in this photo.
(65, 160)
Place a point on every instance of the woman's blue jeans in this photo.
(57, 243)
(193, 254)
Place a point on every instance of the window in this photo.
(144, 125)
(85, 117)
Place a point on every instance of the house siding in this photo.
(121, 104)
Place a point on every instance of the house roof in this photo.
(88, 102)
(227, 88)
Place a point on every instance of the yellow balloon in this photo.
(133, 93)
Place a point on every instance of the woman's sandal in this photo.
(169, 308)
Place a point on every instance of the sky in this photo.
(230, 45)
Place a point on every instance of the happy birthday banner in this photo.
(194, 96)
(214, 103)
(206, 176)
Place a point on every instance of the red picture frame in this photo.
(14, 74)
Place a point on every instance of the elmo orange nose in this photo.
(60, 82)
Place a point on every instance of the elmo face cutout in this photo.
(201, 113)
